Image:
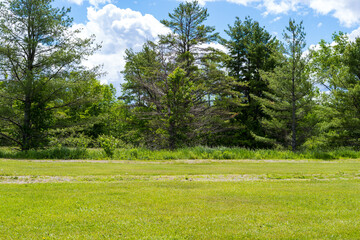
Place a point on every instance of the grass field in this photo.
(198, 199)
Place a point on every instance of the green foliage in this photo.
(251, 49)
(188, 30)
(175, 86)
(40, 69)
(50, 153)
(108, 144)
(290, 99)
(80, 125)
(70, 138)
(335, 67)
(178, 91)
(178, 102)
(111, 151)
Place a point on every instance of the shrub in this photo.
(108, 144)
(133, 153)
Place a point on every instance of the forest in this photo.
(178, 91)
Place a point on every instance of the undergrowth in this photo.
(184, 153)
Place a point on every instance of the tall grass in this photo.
(184, 153)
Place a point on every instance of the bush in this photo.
(71, 138)
(133, 154)
(108, 144)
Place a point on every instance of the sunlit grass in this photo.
(287, 169)
(179, 199)
(181, 210)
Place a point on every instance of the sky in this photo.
(123, 24)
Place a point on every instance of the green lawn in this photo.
(180, 200)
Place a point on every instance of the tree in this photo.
(188, 31)
(174, 108)
(80, 125)
(251, 50)
(335, 66)
(172, 83)
(40, 73)
(290, 99)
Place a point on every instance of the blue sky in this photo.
(122, 24)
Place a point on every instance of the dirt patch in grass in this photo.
(196, 178)
(34, 179)
(188, 161)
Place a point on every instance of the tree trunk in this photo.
(293, 122)
(26, 133)
(172, 135)
(293, 127)
(294, 68)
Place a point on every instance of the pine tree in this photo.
(174, 84)
(39, 56)
(251, 49)
(188, 32)
(290, 99)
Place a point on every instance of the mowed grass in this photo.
(284, 169)
(287, 200)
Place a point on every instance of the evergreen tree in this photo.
(188, 32)
(290, 99)
(39, 56)
(251, 49)
(172, 83)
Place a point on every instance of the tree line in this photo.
(178, 91)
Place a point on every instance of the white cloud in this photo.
(354, 34)
(278, 7)
(117, 30)
(214, 45)
(319, 24)
(78, 2)
(347, 11)
(275, 19)
(95, 3)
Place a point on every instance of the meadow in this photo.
(179, 199)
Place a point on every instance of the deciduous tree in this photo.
(335, 66)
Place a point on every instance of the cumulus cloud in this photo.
(354, 34)
(347, 11)
(116, 30)
(278, 7)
